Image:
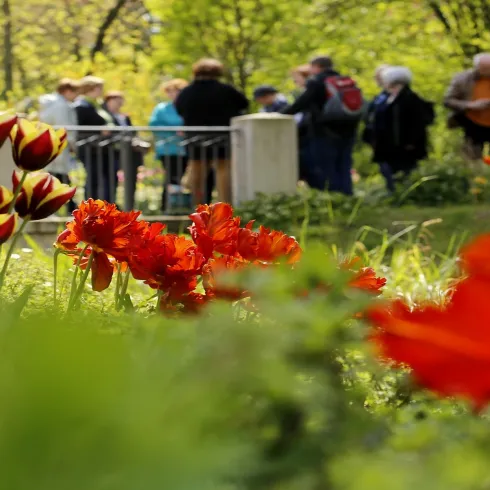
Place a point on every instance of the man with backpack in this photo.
(335, 107)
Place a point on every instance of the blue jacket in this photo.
(167, 142)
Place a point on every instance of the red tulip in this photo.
(34, 146)
(447, 348)
(267, 246)
(108, 232)
(212, 278)
(168, 263)
(5, 199)
(41, 195)
(214, 229)
(486, 160)
(7, 226)
(7, 122)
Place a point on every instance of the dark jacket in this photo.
(210, 103)
(400, 129)
(376, 105)
(87, 114)
(311, 102)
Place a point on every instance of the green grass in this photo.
(435, 229)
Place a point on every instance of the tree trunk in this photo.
(7, 46)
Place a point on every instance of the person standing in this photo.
(375, 106)
(113, 104)
(468, 97)
(168, 144)
(400, 127)
(332, 139)
(269, 98)
(209, 102)
(95, 157)
(57, 110)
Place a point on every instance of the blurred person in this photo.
(91, 112)
(209, 102)
(168, 144)
(269, 98)
(376, 105)
(332, 129)
(113, 104)
(300, 76)
(400, 127)
(468, 97)
(57, 109)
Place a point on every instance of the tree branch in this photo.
(105, 26)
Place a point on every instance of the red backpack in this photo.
(344, 100)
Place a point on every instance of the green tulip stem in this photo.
(10, 251)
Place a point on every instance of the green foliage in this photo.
(288, 398)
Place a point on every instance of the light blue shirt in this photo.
(167, 142)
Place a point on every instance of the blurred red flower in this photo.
(169, 263)
(7, 226)
(486, 160)
(214, 229)
(109, 233)
(213, 282)
(447, 348)
(41, 195)
(367, 280)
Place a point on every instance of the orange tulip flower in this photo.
(364, 278)
(214, 229)
(41, 195)
(107, 231)
(486, 160)
(5, 199)
(267, 246)
(169, 263)
(34, 146)
(212, 281)
(7, 226)
(7, 122)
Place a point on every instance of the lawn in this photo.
(432, 228)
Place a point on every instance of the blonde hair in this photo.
(87, 84)
(303, 70)
(67, 84)
(174, 84)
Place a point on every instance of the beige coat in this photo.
(459, 93)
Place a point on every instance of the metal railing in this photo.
(194, 163)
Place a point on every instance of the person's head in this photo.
(92, 87)
(482, 64)
(378, 74)
(172, 88)
(114, 101)
(208, 68)
(320, 64)
(395, 78)
(68, 88)
(300, 75)
(265, 95)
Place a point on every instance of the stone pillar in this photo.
(7, 165)
(264, 156)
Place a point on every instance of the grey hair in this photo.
(395, 75)
(480, 57)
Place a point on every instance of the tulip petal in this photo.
(53, 202)
(102, 271)
(7, 226)
(5, 199)
(35, 151)
(6, 126)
